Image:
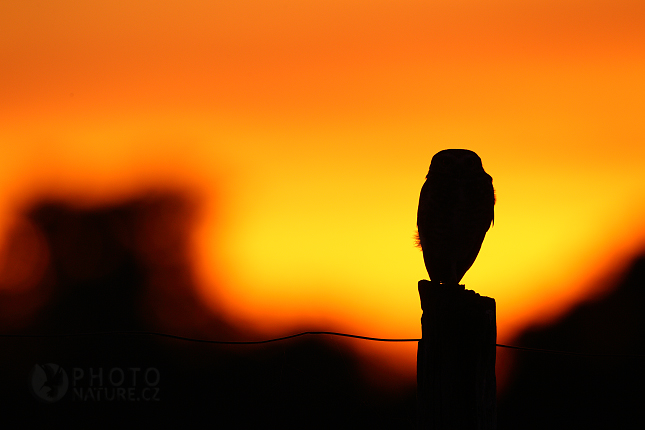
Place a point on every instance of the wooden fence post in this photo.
(456, 385)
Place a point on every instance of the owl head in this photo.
(455, 163)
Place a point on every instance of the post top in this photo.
(435, 293)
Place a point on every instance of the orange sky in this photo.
(307, 128)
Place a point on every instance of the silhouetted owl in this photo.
(456, 210)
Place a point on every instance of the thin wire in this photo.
(555, 351)
(304, 333)
(221, 342)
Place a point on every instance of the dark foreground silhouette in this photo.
(126, 268)
(582, 392)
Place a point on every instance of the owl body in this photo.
(456, 209)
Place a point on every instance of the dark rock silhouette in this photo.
(567, 391)
(126, 267)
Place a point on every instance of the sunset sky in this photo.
(306, 128)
